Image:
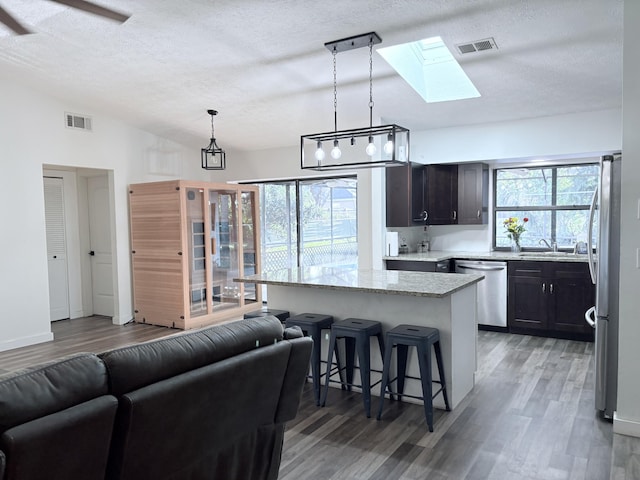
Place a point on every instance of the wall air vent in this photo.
(477, 46)
(79, 122)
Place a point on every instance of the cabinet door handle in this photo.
(478, 213)
(544, 287)
(455, 214)
(551, 288)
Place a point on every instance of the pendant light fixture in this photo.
(354, 153)
(213, 157)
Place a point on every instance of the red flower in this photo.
(525, 219)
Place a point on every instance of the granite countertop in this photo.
(419, 284)
(438, 256)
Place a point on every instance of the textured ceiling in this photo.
(263, 66)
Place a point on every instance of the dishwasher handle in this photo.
(480, 267)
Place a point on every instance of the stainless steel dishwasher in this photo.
(492, 291)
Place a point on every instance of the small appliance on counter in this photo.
(391, 244)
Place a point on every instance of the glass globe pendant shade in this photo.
(371, 148)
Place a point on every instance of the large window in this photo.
(555, 200)
(309, 222)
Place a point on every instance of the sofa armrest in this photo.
(294, 378)
(293, 332)
(3, 462)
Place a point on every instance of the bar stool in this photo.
(403, 337)
(357, 334)
(312, 325)
(281, 315)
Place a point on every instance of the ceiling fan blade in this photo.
(95, 9)
(12, 23)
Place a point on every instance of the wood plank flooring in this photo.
(530, 417)
(88, 334)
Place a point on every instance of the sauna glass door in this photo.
(224, 260)
(249, 244)
(196, 253)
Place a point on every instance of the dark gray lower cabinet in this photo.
(549, 299)
(411, 266)
(443, 266)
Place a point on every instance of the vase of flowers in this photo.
(515, 228)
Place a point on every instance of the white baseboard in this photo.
(26, 341)
(625, 427)
(118, 320)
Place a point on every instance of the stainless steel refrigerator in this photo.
(604, 264)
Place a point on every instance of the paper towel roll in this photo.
(391, 244)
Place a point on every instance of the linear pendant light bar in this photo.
(367, 147)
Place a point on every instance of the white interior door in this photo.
(56, 248)
(100, 239)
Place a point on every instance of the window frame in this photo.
(296, 183)
(553, 209)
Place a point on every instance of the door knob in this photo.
(92, 253)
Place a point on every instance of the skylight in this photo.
(429, 67)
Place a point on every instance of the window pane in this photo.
(279, 231)
(519, 187)
(537, 227)
(328, 218)
(573, 226)
(550, 189)
(576, 184)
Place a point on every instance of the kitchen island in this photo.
(445, 301)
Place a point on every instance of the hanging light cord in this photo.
(370, 82)
(335, 92)
(212, 135)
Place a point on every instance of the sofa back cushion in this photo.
(48, 388)
(73, 443)
(56, 420)
(131, 368)
(167, 429)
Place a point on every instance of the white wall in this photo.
(627, 418)
(32, 133)
(577, 134)
(565, 136)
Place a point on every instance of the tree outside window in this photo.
(556, 200)
(309, 222)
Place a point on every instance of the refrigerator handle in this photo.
(592, 212)
(589, 316)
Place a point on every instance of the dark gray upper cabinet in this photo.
(449, 194)
(442, 194)
(473, 194)
(405, 195)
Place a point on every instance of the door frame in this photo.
(76, 216)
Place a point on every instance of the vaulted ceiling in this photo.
(262, 63)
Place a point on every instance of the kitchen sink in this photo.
(545, 254)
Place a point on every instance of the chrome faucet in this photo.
(553, 247)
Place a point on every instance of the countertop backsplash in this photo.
(468, 238)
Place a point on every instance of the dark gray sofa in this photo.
(205, 404)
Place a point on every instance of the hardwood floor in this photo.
(530, 417)
(88, 334)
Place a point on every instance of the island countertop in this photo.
(419, 284)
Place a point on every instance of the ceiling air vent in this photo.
(477, 46)
(79, 122)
